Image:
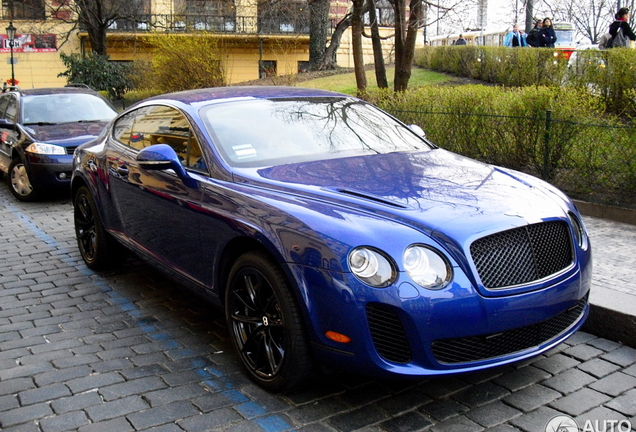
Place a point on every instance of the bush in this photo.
(99, 73)
(559, 134)
(610, 74)
(185, 62)
(497, 65)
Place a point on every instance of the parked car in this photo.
(40, 129)
(332, 234)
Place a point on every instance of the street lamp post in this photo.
(11, 36)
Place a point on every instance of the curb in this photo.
(612, 314)
(616, 214)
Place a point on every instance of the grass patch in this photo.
(346, 83)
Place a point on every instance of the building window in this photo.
(267, 68)
(24, 9)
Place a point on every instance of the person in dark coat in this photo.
(533, 37)
(461, 40)
(547, 36)
(622, 18)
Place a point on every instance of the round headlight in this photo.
(426, 267)
(371, 267)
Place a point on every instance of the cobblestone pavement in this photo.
(130, 351)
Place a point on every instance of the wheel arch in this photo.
(235, 249)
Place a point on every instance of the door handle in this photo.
(122, 170)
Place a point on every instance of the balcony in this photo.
(147, 23)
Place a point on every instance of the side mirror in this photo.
(418, 130)
(162, 157)
(5, 124)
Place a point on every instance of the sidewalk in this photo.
(613, 296)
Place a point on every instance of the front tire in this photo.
(19, 182)
(265, 324)
(99, 249)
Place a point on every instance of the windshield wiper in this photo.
(41, 124)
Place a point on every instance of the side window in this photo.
(4, 101)
(11, 112)
(122, 129)
(9, 108)
(164, 125)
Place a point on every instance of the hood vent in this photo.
(373, 198)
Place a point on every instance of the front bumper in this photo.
(407, 330)
(49, 171)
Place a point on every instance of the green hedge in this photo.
(552, 132)
(609, 74)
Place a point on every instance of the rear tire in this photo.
(99, 249)
(265, 324)
(19, 182)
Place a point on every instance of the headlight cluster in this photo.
(426, 267)
(580, 233)
(42, 148)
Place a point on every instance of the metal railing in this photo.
(145, 23)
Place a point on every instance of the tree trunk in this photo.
(357, 28)
(328, 60)
(90, 16)
(378, 58)
(405, 49)
(529, 15)
(318, 31)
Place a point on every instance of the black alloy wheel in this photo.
(99, 250)
(265, 324)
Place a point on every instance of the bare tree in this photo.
(96, 16)
(591, 18)
(378, 57)
(357, 29)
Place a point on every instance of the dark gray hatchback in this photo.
(39, 131)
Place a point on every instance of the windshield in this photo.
(258, 133)
(564, 37)
(65, 108)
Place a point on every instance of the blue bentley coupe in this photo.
(332, 234)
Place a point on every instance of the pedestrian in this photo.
(533, 36)
(515, 38)
(461, 40)
(547, 36)
(622, 24)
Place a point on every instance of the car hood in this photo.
(66, 134)
(436, 191)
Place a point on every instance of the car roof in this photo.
(52, 90)
(257, 92)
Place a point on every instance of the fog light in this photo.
(62, 176)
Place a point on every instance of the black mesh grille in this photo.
(388, 334)
(522, 255)
(70, 150)
(476, 348)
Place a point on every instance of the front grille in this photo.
(475, 348)
(522, 255)
(388, 334)
(70, 150)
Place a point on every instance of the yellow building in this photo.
(259, 37)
